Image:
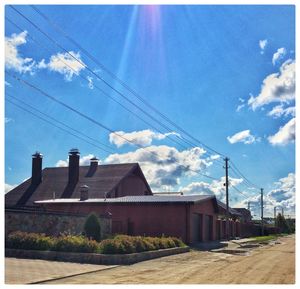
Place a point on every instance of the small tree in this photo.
(92, 227)
(282, 224)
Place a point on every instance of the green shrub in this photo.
(29, 241)
(69, 243)
(92, 227)
(139, 244)
(112, 246)
(170, 243)
(154, 243)
(178, 242)
(119, 244)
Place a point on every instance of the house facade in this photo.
(122, 193)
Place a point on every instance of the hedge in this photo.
(119, 244)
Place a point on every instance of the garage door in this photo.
(196, 228)
(208, 228)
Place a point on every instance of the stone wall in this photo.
(50, 223)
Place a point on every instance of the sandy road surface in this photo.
(266, 265)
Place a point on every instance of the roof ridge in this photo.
(100, 165)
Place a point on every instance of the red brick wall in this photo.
(151, 219)
(147, 219)
(131, 186)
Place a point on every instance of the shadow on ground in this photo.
(207, 246)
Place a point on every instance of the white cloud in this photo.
(242, 104)
(83, 161)
(7, 120)
(13, 59)
(240, 107)
(279, 111)
(278, 55)
(243, 136)
(86, 160)
(162, 165)
(213, 157)
(62, 163)
(9, 187)
(142, 138)
(276, 87)
(262, 44)
(284, 193)
(7, 83)
(42, 64)
(64, 63)
(216, 187)
(90, 82)
(285, 134)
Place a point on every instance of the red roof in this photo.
(55, 180)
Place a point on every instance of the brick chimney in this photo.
(36, 177)
(73, 166)
(84, 192)
(94, 162)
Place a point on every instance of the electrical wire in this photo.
(96, 75)
(34, 87)
(58, 29)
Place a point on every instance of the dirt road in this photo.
(266, 265)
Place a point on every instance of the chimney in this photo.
(94, 163)
(73, 166)
(84, 192)
(36, 177)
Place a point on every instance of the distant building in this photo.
(245, 216)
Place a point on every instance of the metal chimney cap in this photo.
(74, 151)
(37, 155)
(84, 187)
(94, 159)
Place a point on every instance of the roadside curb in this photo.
(73, 275)
(94, 258)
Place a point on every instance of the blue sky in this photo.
(226, 74)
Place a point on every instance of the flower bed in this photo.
(119, 244)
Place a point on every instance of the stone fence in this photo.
(50, 223)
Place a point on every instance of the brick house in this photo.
(121, 192)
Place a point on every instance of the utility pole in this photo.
(282, 211)
(248, 205)
(275, 216)
(262, 210)
(227, 198)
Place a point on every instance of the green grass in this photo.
(265, 238)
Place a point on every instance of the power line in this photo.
(234, 187)
(59, 30)
(244, 182)
(102, 91)
(34, 87)
(53, 124)
(118, 92)
(61, 123)
(239, 172)
(98, 77)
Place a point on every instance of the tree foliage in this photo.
(92, 228)
(282, 224)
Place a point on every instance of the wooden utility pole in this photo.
(262, 210)
(227, 198)
(275, 215)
